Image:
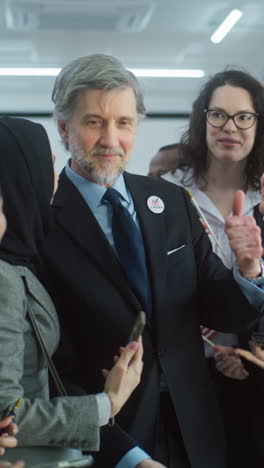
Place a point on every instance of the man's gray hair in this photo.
(96, 71)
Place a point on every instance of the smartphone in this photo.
(258, 338)
(71, 463)
(138, 327)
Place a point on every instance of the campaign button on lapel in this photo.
(155, 204)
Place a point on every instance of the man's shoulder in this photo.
(150, 182)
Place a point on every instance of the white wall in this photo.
(152, 134)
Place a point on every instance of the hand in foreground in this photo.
(149, 463)
(229, 363)
(256, 355)
(124, 377)
(244, 238)
(18, 464)
(7, 439)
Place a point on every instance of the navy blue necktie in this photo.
(130, 248)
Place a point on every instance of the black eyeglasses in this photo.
(242, 120)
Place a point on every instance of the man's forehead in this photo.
(104, 99)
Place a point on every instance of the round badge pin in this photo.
(155, 204)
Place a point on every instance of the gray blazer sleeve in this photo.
(56, 422)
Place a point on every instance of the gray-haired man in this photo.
(172, 417)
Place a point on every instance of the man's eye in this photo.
(124, 123)
(93, 122)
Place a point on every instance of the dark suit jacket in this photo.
(189, 287)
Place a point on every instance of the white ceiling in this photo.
(142, 33)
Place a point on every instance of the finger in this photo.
(233, 368)
(223, 351)
(219, 357)
(238, 203)
(13, 429)
(239, 374)
(105, 373)
(8, 441)
(139, 353)
(250, 357)
(18, 464)
(5, 421)
(229, 361)
(219, 348)
(128, 353)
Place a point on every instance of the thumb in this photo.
(128, 352)
(5, 421)
(238, 203)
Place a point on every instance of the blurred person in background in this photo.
(8, 428)
(166, 159)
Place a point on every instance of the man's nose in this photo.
(109, 136)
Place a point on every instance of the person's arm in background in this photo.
(228, 361)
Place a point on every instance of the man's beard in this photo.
(107, 174)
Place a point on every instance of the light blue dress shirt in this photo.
(93, 194)
(102, 210)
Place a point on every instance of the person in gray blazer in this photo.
(8, 428)
(50, 429)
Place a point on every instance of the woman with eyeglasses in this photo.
(223, 151)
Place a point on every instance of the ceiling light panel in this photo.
(167, 73)
(88, 15)
(226, 26)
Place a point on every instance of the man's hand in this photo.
(229, 363)
(245, 239)
(148, 463)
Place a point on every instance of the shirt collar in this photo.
(92, 192)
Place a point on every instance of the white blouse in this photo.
(217, 223)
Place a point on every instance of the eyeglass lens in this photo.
(242, 120)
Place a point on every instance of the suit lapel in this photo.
(153, 230)
(77, 219)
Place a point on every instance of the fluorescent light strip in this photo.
(140, 72)
(226, 26)
(29, 71)
(166, 73)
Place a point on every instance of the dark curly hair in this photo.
(194, 139)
